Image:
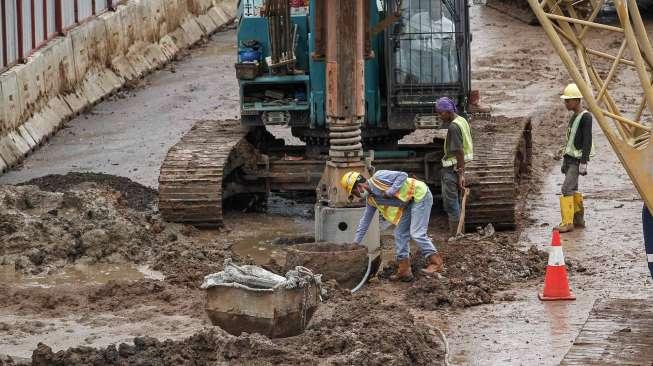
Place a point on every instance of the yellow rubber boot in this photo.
(579, 210)
(567, 213)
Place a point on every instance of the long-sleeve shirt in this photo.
(583, 138)
(391, 178)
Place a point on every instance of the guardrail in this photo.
(26, 25)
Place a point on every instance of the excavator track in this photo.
(190, 181)
(215, 161)
(502, 156)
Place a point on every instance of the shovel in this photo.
(461, 221)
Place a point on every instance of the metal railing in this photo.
(26, 25)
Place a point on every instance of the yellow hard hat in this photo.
(571, 92)
(348, 181)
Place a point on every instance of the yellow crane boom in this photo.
(627, 126)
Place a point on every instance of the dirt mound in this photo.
(475, 271)
(356, 329)
(136, 196)
(167, 299)
(43, 230)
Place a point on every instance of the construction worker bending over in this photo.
(576, 153)
(647, 224)
(404, 202)
(458, 149)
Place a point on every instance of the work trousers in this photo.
(414, 224)
(450, 195)
(570, 170)
(647, 224)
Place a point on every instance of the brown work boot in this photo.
(435, 263)
(404, 274)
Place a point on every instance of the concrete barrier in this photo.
(93, 60)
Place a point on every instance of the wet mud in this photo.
(356, 329)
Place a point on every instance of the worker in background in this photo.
(647, 224)
(576, 153)
(404, 202)
(458, 149)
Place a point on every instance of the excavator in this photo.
(350, 79)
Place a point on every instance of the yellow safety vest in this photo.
(570, 148)
(468, 145)
(412, 189)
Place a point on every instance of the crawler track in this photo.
(190, 181)
(502, 155)
(215, 161)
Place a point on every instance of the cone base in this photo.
(547, 298)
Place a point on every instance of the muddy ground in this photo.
(89, 264)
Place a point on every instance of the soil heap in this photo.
(358, 329)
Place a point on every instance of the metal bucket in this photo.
(274, 313)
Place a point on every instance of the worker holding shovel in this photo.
(458, 149)
(404, 202)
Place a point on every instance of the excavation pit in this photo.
(345, 263)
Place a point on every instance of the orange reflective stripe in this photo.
(391, 214)
(405, 193)
(380, 185)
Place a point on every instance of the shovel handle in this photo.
(461, 220)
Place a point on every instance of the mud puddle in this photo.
(80, 275)
(271, 239)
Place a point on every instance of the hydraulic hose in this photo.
(367, 274)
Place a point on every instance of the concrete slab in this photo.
(176, 11)
(3, 165)
(29, 77)
(192, 30)
(10, 99)
(59, 66)
(90, 88)
(218, 15)
(3, 115)
(181, 38)
(18, 144)
(229, 7)
(207, 24)
(60, 108)
(27, 137)
(155, 55)
(155, 13)
(123, 68)
(137, 59)
(116, 42)
(168, 47)
(76, 102)
(7, 151)
(109, 81)
(35, 127)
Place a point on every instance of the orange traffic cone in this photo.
(556, 283)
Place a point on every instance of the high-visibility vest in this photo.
(468, 145)
(412, 189)
(570, 148)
